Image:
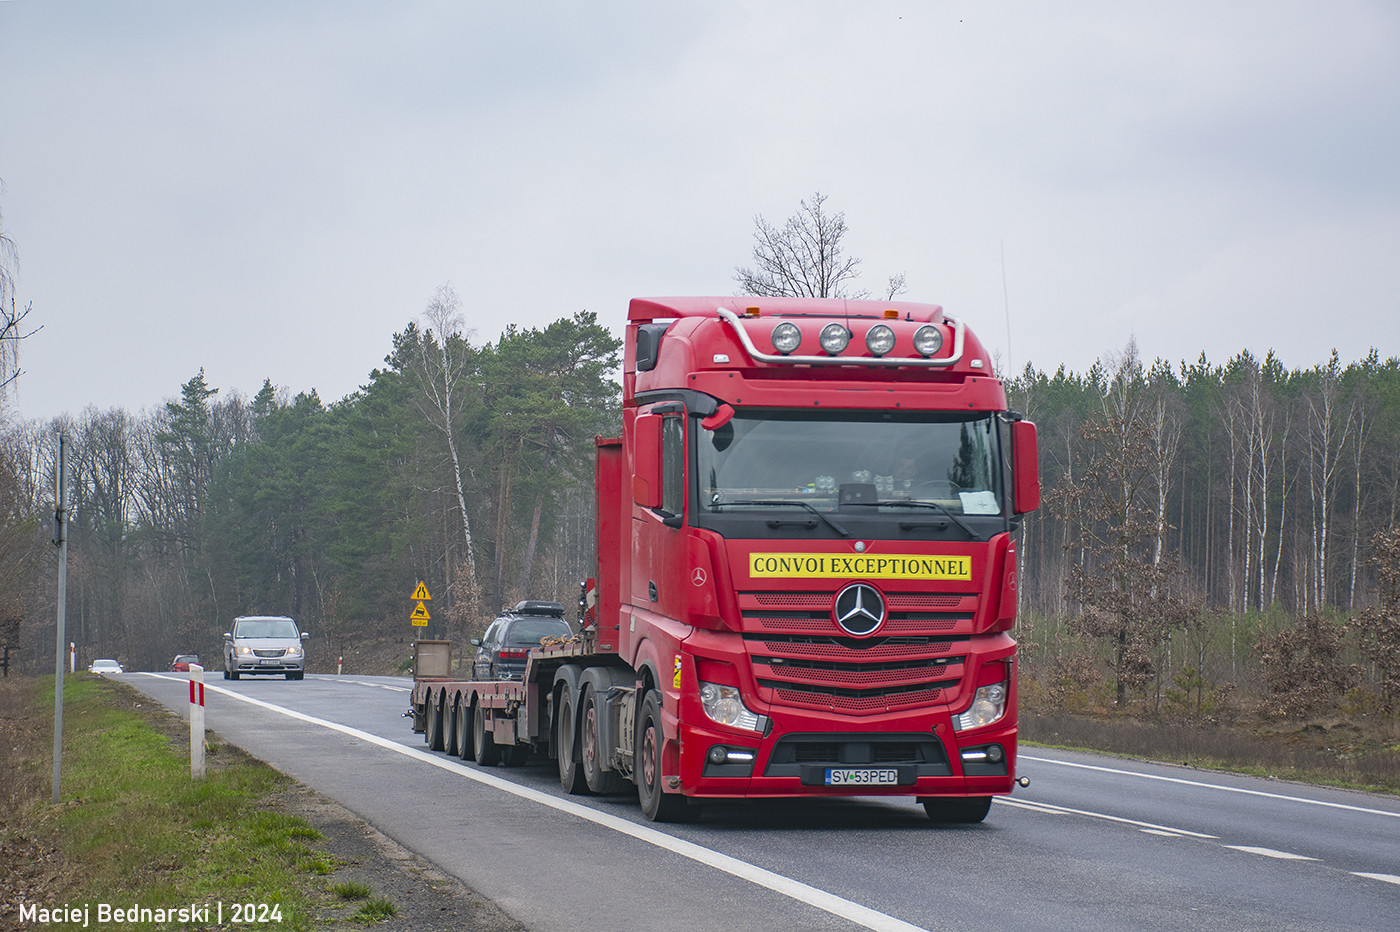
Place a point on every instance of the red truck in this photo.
(806, 571)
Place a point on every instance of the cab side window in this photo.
(673, 464)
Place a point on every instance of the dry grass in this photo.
(1340, 752)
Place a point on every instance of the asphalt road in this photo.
(1095, 842)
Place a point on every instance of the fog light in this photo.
(834, 338)
(719, 754)
(879, 340)
(786, 337)
(928, 340)
(995, 754)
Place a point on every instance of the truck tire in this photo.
(449, 728)
(566, 745)
(600, 779)
(432, 731)
(464, 733)
(952, 810)
(483, 742)
(657, 805)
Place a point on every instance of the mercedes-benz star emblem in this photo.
(859, 609)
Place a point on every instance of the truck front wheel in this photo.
(657, 805)
(951, 810)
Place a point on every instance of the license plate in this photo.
(269, 662)
(863, 777)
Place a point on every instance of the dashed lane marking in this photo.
(1270, 853)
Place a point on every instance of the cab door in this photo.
(658, 520)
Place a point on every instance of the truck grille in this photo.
(802, 659)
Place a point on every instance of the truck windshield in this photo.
(870, 460)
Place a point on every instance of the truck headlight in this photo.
(725, 705)
(988, 705)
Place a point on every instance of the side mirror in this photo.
(475, 642)
(646, 459)
(305, 635)
(1025, 467)
(227, 636)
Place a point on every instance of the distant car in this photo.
(181, 663)
(501, 651)
(105, 666)
(264, 644)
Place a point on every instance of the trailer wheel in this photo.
(600, 779)
(566, 746)
(951, 810)
(449, 727)
(483, 743)
(464, 733)
(657, 805)
(432, 731)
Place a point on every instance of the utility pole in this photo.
(60, 539)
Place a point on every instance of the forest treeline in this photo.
(1211, 533)
(463, 466)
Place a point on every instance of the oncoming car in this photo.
(181, 663)
(105, 666)
(262, 645)
(502, 650)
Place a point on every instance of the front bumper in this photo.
(923, 752)
(279, 666)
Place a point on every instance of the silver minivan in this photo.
(264, 644)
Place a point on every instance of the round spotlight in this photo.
(835, 338)
(928, 340)
(879, 340)
(786, 337)
(719, 754)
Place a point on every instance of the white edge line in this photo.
(1212, 786)
(828, 902)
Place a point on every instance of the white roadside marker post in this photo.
(196, 722)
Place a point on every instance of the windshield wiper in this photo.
(779, 503)
(907, 503)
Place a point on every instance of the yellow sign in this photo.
(859, 566)
(420, 616)
(421, 594)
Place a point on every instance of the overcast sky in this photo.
(271, 190)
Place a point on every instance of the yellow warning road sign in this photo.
(420, 616)
(421, 593)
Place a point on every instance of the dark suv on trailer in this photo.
(501, 651)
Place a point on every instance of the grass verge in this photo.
(133, 828)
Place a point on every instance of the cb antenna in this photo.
(1006, 305)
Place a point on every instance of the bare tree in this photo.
(805, 258)
(443, 366)
(11, 317)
